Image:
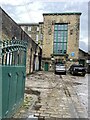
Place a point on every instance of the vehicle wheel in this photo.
(83, 75)
(65, 73)
(72, 73)
(55, 72)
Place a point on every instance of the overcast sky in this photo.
(30, 11)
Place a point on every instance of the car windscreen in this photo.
(59, 64)
(77, 65)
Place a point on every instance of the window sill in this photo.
(59, 54)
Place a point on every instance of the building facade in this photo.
(9, 29)
(35, 31)
(58, 35)
(84, 59)
(60, 39)
(31, 29)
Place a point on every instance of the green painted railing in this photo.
(12, 76)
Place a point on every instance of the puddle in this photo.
(30, 91)
(77, 83)
(73, 77)
(73, 83)
(37, 106)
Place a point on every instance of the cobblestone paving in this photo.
(82, 89)
(57, 98)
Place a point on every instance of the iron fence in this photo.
(12, 76)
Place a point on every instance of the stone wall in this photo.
(73, 21)
(11, 29)
(40, 34)
(73, 33)
(31, 29)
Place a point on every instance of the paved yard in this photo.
(55, 96)
(58, 96)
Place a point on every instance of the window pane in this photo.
(60, 38)
(54, 47)
(64, 46)
(65, 33)
(29, 28)
(59, 27)
(65, 39)
(54, 39)
(62, 33)
(55, 34)
(62, 27)
(59, 35)
(55, 27)
(64, 51)
(59, 32)
(59, 47)
(36, 38)
(37, 28)
(65, 27)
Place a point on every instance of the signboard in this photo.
(72, 54)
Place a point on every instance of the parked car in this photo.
(60, 68)
(77, 69)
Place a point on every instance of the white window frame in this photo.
(37, 38)
(29, 28)
(37, 28)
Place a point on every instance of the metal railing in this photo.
(13, 72)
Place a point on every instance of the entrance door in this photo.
(46, 66)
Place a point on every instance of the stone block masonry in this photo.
(9, 30)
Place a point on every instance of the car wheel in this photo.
(83, 75)
(65, 73)
(72, 73)
(55, 72)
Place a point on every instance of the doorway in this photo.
(46, 66)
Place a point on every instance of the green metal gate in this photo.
(12, 76)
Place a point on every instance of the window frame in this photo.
(60, 37)
(29, 28)
(37, 37)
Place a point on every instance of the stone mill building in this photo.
(58, 36)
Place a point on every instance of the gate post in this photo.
(0, 80)
(0, 52)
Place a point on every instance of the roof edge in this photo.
(22, 24)
(71, 13)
